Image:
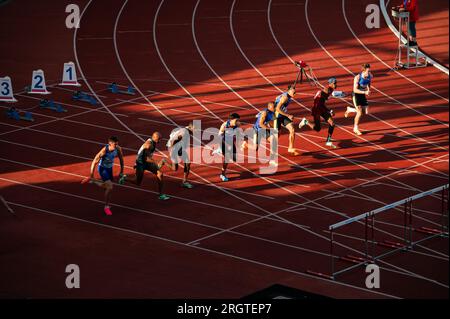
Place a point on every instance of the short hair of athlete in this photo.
(234, 116)
(113, 139)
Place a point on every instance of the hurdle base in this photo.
(70, 84)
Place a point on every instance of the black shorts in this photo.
(151, 167)
(224, 149)
(326, 115)
(282, 121)
(259, 134)
(360, 100)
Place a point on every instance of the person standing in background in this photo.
(412, 7)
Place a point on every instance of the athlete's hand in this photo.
(86, 180)
(291, 117)
(368, 92)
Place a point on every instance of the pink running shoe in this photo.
(108, 211)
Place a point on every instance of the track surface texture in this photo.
(203, 59)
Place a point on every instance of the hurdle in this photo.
(84, 97)
(51, 105)
(14, 114)
(114, 88)
(5, 203)
(369, 242)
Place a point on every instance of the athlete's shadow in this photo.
(345, 143)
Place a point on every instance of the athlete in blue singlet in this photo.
(105, 160)
(361, 89)
(262, 124)
(284, 119)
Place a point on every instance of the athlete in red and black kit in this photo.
(321, 110)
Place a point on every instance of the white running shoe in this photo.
(273, 163)
(357, 131)
(302, 123)
(217, 151)
(330, 144)
(224, 178)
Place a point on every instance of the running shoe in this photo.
(187, 185)
(108, 210)
(273, 163)
(163, 197)
(329, 143)
(122, 179)
(217, 151)
(357, 131)
(224, 178)
(302, 123)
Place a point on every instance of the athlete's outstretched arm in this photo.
(96, 160)
(222, 128)
(262, 119)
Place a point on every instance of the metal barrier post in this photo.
(331, 253)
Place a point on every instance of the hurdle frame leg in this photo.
(332, 253)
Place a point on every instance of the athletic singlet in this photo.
(321, 96)
(141, 156)
(227, 126)
(269, 117)
(284, 107)
(364, 82)
(107, 160)
(175, 134)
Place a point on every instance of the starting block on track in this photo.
(84, 97)
(51, 105)
(14, 114)
(114, 88)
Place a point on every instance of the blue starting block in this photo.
(84, 97)
(114, 88)
(14, 114)
(51, 105)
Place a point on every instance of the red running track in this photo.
(199, 59)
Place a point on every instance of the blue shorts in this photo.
(105, 173)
